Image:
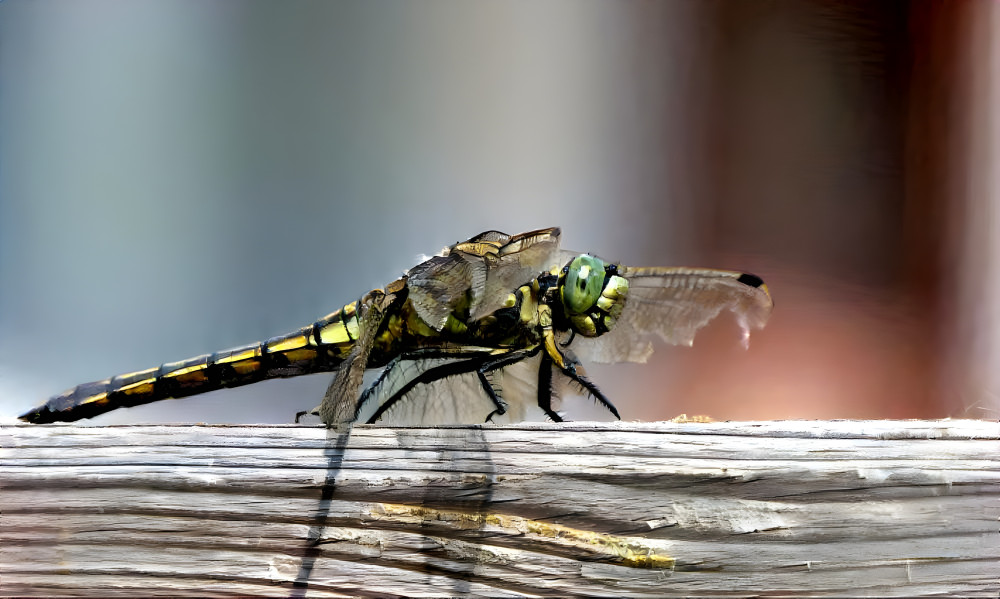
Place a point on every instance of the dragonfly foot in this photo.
(489, 419)
(312, 412)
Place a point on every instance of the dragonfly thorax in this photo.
(593, 294)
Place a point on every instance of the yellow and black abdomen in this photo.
(320, 347)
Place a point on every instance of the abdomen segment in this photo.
(320, 347)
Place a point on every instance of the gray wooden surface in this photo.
(631, 509)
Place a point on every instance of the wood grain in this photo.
(828, 508)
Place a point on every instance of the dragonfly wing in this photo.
(673, 303)
(518, 384)
(522, 258)
(341, 396)
(457, 399)
(479, 274)
(440, 285)
(446, 390)
(425, 391)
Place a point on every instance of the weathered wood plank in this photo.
(632, 509)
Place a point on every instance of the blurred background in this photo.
(177, 178)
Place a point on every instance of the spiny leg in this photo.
(567, 362)
(496, 363)
(369, 391)
(465, 362)
(589, 387)
(545, 388)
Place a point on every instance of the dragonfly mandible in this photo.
(474, 311)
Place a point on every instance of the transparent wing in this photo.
(455, 399)
(522, 258)
(673, 303)
(438, 286)
(338, 402)
(480, 273)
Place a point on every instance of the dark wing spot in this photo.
(751, 280)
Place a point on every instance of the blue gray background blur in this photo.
(181, 177)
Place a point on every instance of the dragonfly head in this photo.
(593, 294)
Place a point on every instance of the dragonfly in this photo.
(479, 309)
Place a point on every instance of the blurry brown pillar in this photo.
(838, 166)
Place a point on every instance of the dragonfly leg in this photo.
(545, 388)
(572, 336)
(570, 371)
(299, 415)
(461, 363)
(496, 363)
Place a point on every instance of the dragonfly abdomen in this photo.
(320, 347)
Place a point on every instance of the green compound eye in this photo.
(584, 281)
